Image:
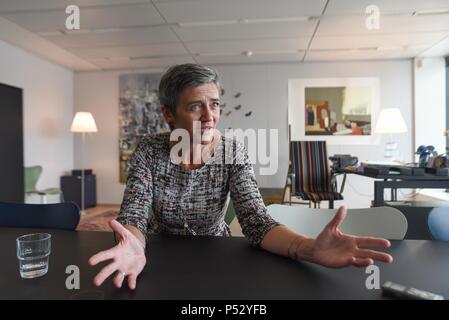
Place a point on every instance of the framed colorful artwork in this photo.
(337, 110)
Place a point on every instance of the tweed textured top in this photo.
(193, 201)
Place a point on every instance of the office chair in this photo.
(32, 175)
(438, 223)
(53, 216)
(309, 177)
(384, 222)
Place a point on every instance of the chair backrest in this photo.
(229, 210)
(438, 222)
(54, 216)
(32, 175)
(384, 222)
(308, 160)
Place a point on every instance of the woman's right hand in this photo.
(128, 258)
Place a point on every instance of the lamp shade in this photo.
(390, 121)
(83, 122)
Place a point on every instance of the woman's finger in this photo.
(372, 242)
(105, 273)
(362, 262)
(375, 255)
(132, 279)
(117, 227)
(118, 279)
(337, 219)
(102, 256)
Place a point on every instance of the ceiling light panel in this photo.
(136, 37)
(111, 64)
(376, 40)
(255, 58)
(91, 18)
(250, 44)
(210, 10)
(247, 31)
(130, 51)
(37, 5)
(359, 55)
(358, 7)
(355, 25)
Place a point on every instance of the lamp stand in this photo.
(83, 140)
(391, 148)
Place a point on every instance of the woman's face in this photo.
(200, 104)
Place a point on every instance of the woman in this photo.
(190, 197)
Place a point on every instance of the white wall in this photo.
(263, 89)
(98, 93)
(47, 109)
(430, 102)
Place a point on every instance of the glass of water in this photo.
(33, 251)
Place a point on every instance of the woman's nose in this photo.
(206, 113)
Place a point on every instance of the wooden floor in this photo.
(102, 208)
(97, 218)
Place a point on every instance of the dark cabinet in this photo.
(71, 189)
(11, 145)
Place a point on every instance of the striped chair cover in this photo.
(312, 176)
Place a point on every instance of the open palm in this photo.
(128, 258)
(335, 249)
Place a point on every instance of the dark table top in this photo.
(425, 177)
(216, 268)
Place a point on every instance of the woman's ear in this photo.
(168, 115)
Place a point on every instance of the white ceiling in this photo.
(125, 34)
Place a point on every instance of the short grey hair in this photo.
(183, 76)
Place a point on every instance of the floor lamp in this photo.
(83, 123)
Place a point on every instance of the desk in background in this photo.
(398, 181)
(216, 268)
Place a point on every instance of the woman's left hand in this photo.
(335, 249)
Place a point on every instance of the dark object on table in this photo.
(406, 171)
(376, 170)
(79, 172)
(394, 290)
(424, 153)
(248, 114)
(418, 171)
(342, 161)
(238, 107)
(441, 161)
(71, 188)
(438, 171)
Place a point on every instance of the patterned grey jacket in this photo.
(163, 197)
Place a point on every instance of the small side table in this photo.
(71, 189)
